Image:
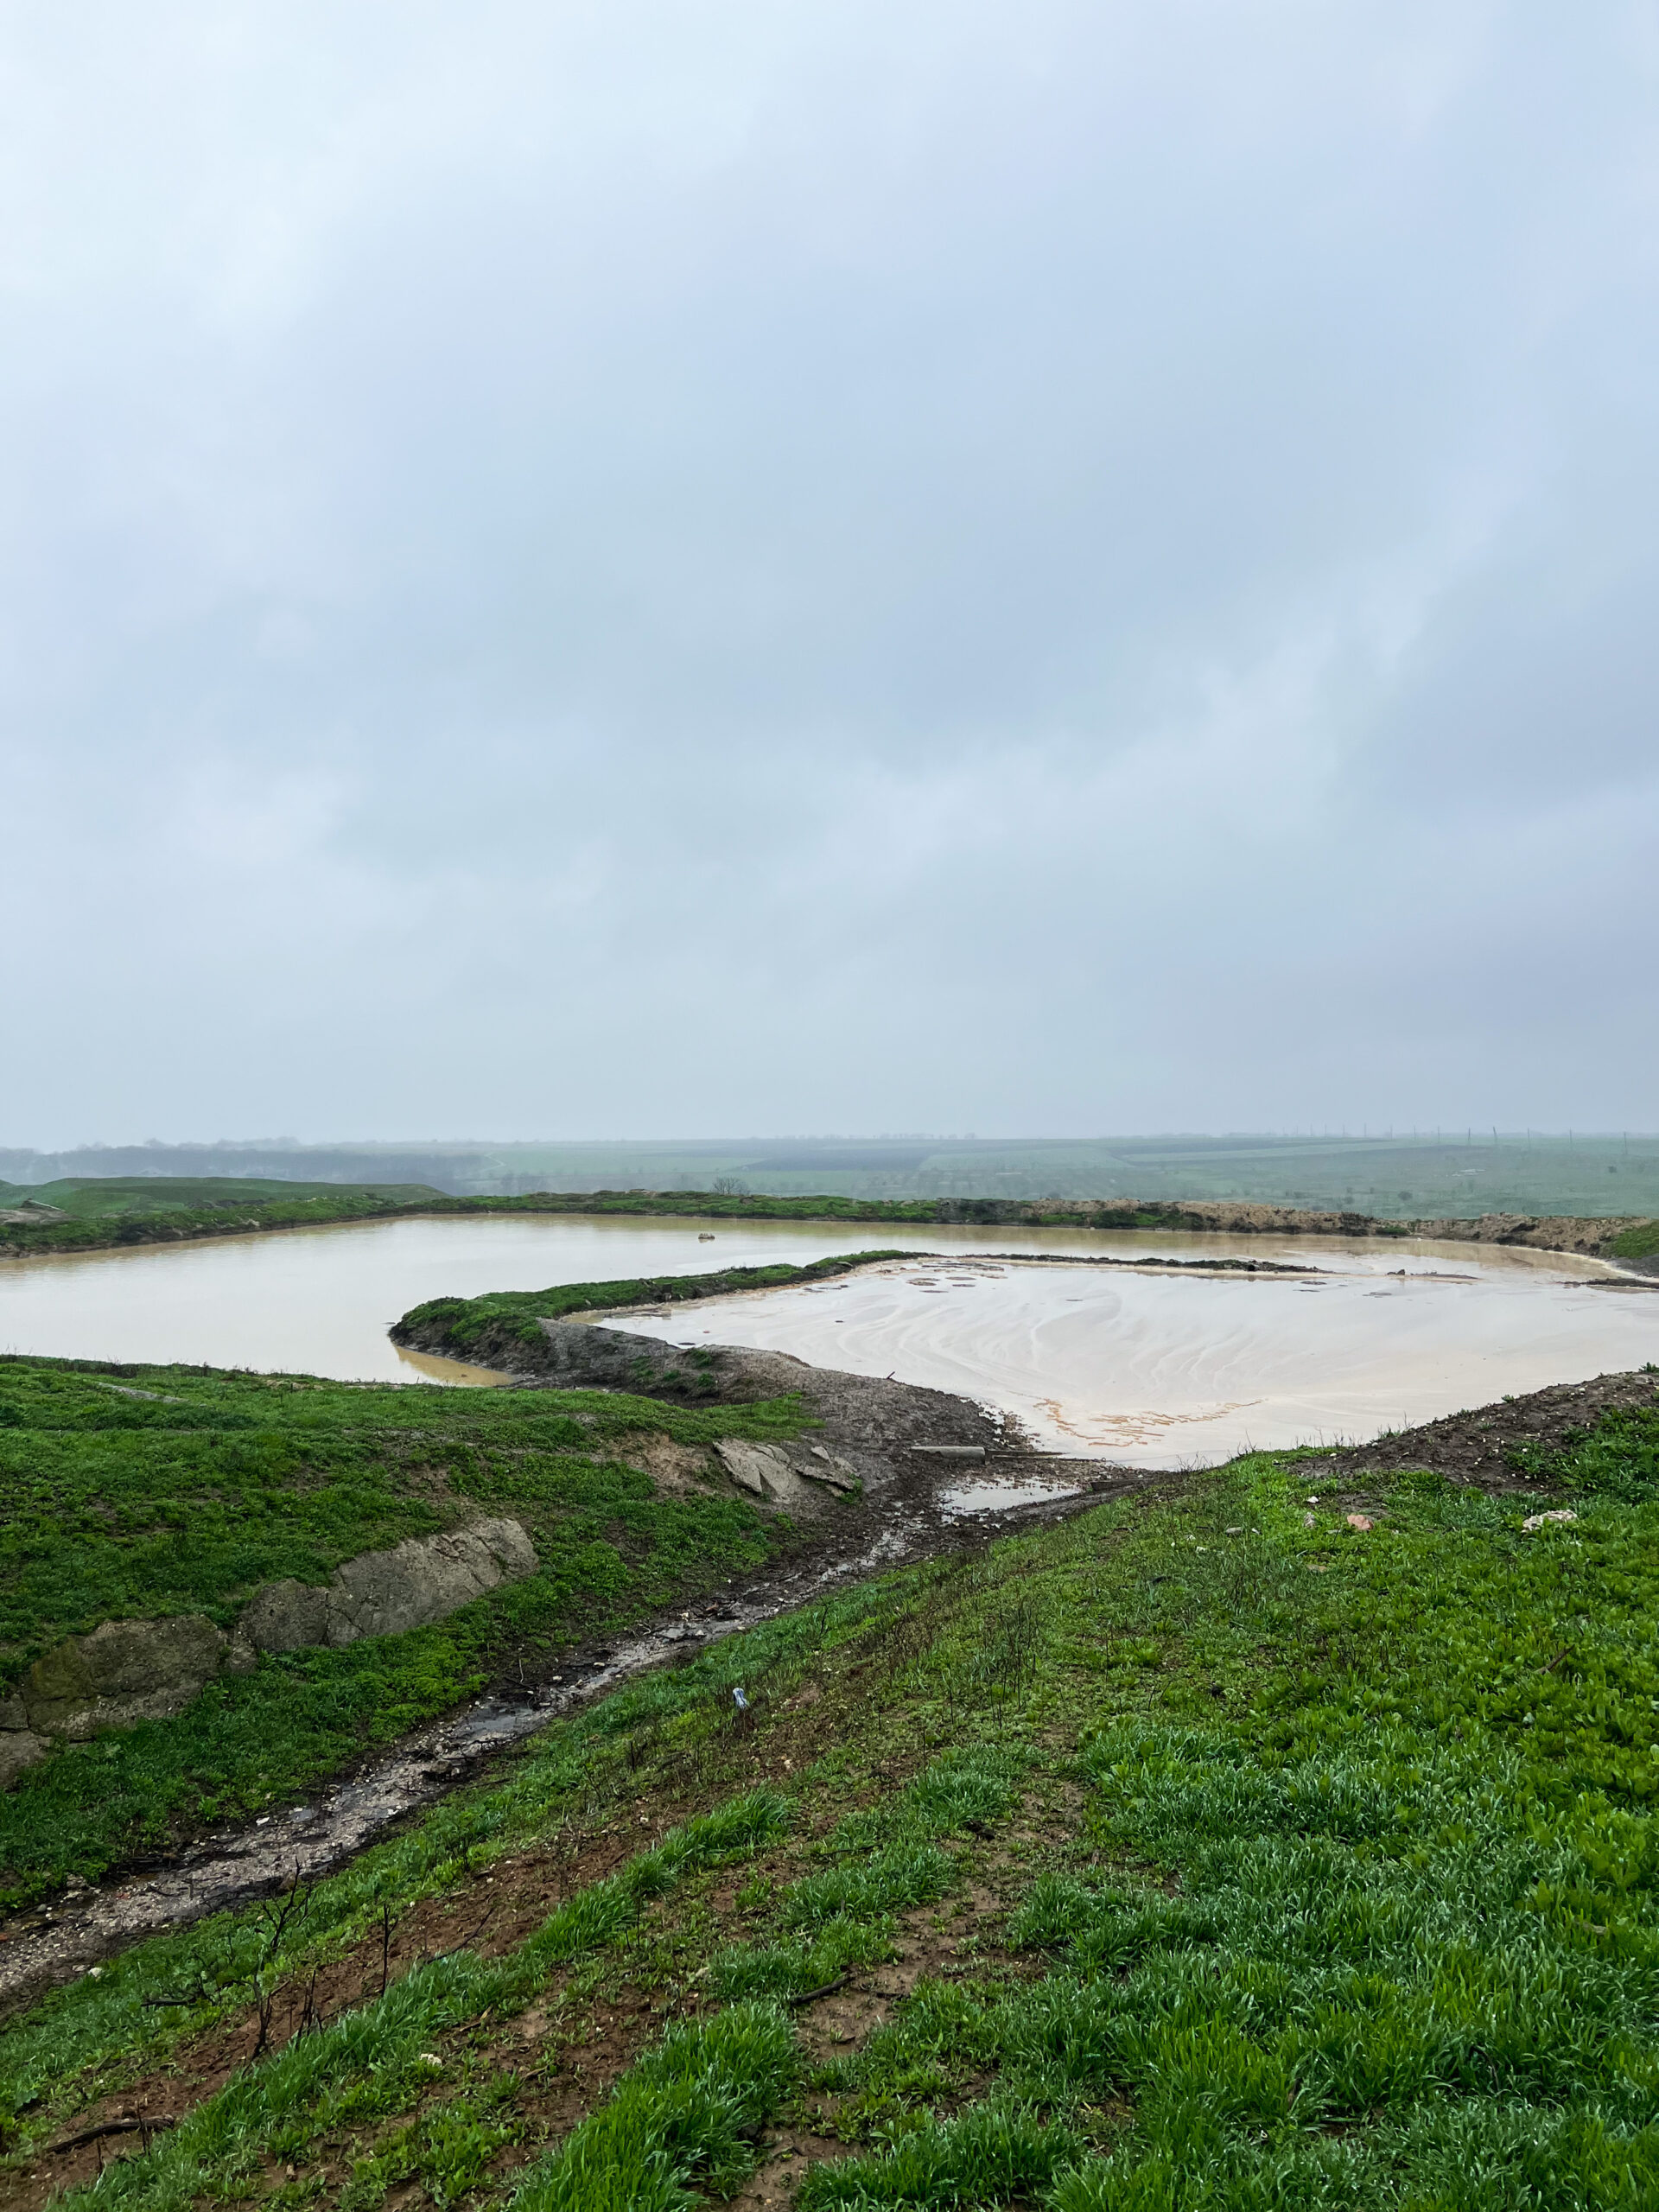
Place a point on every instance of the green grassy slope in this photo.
(110, 1197)
(105, 1212)
(1211, 1852)
(135, 1492)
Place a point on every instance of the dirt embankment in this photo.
(1560, 1232)
(1591, 1235)
(867, 1419)
(1477, 1447)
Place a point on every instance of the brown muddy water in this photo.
(319, 1301)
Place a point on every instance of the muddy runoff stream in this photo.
(937, 1473)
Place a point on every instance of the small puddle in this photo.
(1003, 1494)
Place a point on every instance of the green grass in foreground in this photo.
(137, 1492)
(1328, 1862)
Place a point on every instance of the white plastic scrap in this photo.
(1536, 1520)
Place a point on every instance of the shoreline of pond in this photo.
(1589, 1236)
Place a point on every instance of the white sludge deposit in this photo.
(1168, 1367)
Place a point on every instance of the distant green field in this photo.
(1394, 1175)
(1397, 1176)
(158, 1210)
(107, 1197)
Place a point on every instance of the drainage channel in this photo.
(225, 1871)
(228, 1869)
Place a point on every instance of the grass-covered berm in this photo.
(1249, 1843)
(132, 1493)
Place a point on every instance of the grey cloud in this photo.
(605, 569)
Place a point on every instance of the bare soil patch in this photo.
(1475, 1447)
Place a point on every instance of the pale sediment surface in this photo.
(1170, 1368)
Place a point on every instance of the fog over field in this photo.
(579, 570)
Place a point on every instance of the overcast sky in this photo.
(704, 566)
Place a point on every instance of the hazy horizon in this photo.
(1394, 1177)
(704, 566)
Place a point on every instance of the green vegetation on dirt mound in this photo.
(137, 1492)
(109, 1197)
(1208, 1851)
(473, 1328)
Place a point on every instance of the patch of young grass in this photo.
(1618, 1457)
(1382, 1930)
(374, 2062)
(687, 2111)
(989, 2155)
(449, 2147)
(809, 1961)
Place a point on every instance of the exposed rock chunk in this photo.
(128, 1671)
(122, 1672)
(387, 1593)
(287, 1616)
(20, 1747)
(829, 1467)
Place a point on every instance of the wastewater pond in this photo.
(1146, 1365)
